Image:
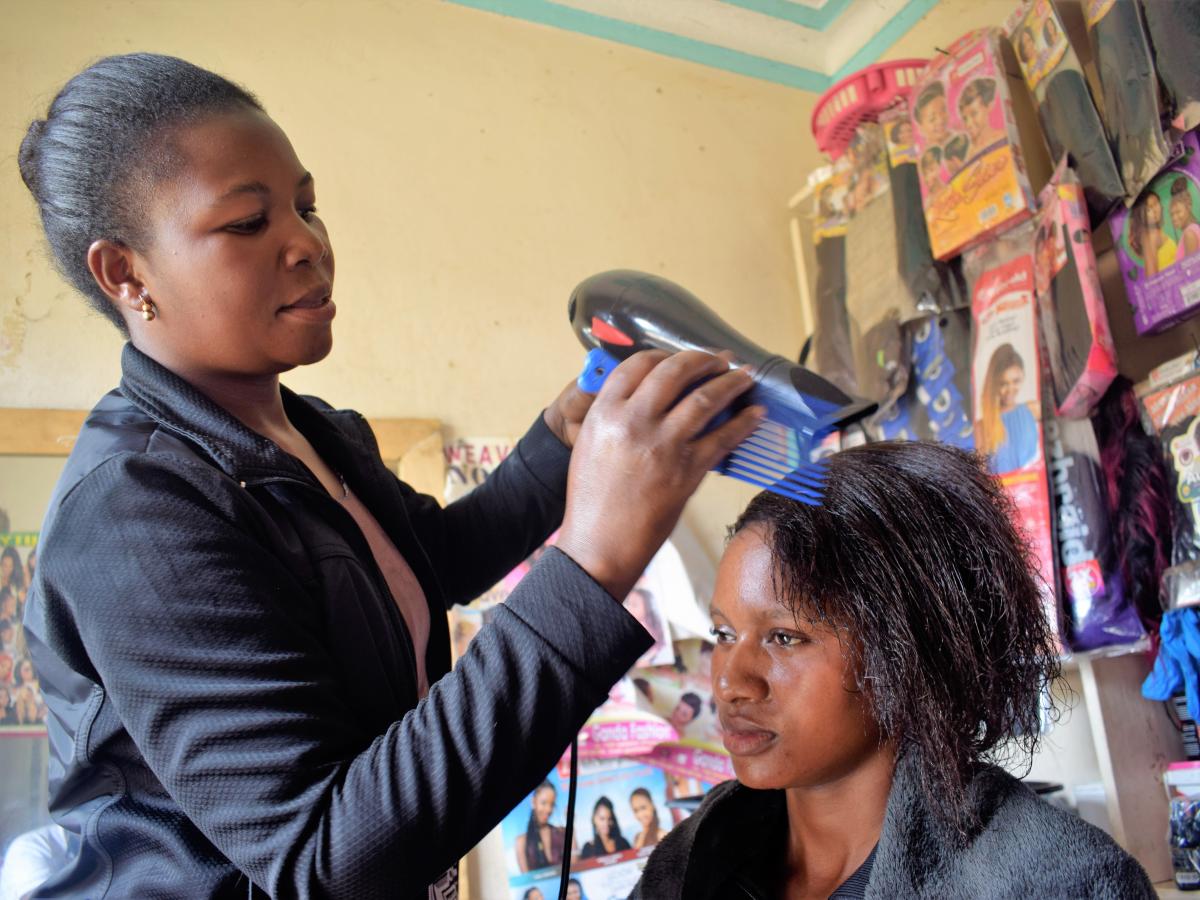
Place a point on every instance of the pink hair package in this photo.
(1076, 339)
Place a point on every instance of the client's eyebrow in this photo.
(257, 187)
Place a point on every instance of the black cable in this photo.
(567, 832)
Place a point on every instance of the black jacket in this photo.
(1024, 848)
(231, 687)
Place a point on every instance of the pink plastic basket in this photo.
(859, 98)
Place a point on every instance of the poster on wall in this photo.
(621, 813)
(22, 707)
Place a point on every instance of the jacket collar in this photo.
(240, 452)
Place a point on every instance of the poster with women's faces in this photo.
(1158, 243)
(22, 707)
(621, 813)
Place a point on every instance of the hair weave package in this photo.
(1129, 89)
(1007, 388)
(1158, 243)
(1069, 118)
(1174, 30)
(1076, 340)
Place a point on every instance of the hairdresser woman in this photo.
(239, 613)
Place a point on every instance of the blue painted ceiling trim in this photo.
(910, 15)
(665, 43)
(816, 19)
(546, 12)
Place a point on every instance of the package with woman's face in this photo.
(1065, 108)
(1007, 390)
(1158, 243)
(973, 178)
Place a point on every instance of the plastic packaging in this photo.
(874, 307)
(1098, 613)
(1075, 335)
(1158, 243)
(1130, 89)
(1174, 29)
(832, 356)
(1007, 390)
(973, 178)
(933, 286)
(1065, 108)
(1172, 413)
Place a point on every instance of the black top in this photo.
(232, 689)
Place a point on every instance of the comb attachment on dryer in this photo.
(775, 457)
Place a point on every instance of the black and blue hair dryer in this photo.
(615, 314)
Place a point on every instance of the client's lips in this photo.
(314, 305)
(312, 299)
(743, 737)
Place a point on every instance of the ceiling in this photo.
(805, 44)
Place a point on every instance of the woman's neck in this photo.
(833, 827)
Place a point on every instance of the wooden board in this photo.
(411, 447)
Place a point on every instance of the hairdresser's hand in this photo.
(566, 414)
(640, 455)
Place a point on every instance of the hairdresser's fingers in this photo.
(696, 409)
(720, 442)
(625, 378)
(672, 378)
(565, 415)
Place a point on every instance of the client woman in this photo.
(873, 654)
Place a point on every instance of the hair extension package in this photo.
(936, 405)
(1129, 87)
(1158, 243)
(1006, 385)
(973, 177)
(1098, 612)
(1078, 346)
(874, 307)
(1170, 402)
(832, 355)
(934, 286)
(1065, 108)
(1174, 27)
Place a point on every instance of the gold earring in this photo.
(147, 305)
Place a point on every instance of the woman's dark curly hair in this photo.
(913, 558)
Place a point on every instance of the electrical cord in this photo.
(568, 836)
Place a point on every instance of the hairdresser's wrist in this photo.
(616, 572)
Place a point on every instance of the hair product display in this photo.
(1129, 87)
(1136, 485)
(936, 405)
(1065, 108)
(1006, 385)
(1076, 339)
(832, 356)
(1098, 613)
(1172, 413)
(973, 178)
(1174, 29)
(934, 286)
(874, 307)
(1158, 243)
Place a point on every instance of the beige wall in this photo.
(471, 168)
